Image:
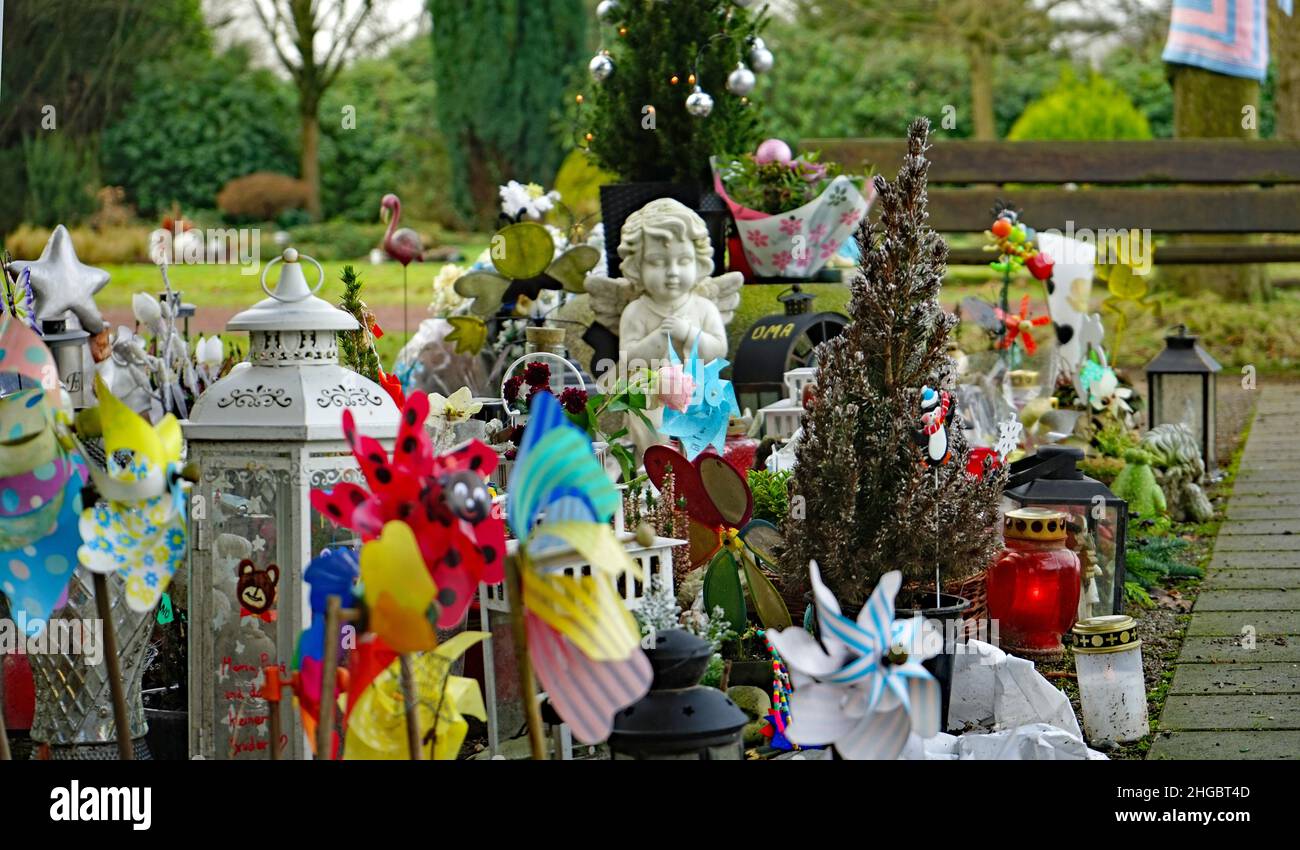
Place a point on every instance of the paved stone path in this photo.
(1229, 699)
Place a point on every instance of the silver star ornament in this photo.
(61, 282)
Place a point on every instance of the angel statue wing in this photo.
(609, 295)
(723, 291)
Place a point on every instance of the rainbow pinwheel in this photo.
(583, 643)
(138, 527)
(723, 535)
(40, 482)
(866, 689)
(443, 498)
(713, 403)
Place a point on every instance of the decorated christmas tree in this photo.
(671, 84)
(874, 496)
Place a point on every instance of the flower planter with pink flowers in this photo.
(808, 209)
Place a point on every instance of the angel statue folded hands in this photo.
(666, 297)
(667, 293)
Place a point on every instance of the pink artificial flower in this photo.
(675, 387)
(811, 171)
(758, 238)
(791, 226)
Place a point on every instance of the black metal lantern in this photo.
(795, 300)
(679, 719)
(1097, 520)
(1180, 381)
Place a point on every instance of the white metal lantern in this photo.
(1112, 691)
(264, 437)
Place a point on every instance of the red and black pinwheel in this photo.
(443, 498)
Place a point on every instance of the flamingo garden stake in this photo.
(403, 245)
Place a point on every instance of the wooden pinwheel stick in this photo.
(527, 687)
(335, 616)
(125, 747)
(411, 706)
(5, 755)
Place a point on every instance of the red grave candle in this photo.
(1033, 586)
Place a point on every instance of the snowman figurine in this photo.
(937, 410)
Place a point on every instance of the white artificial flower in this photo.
(210, 351)
(146, 309)
(532, 200)
(446, 300)
(458, 407)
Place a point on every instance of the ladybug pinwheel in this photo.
(443, 498)
(723, 535)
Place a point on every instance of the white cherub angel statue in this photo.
(666, 293)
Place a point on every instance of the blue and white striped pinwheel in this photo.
(713, 403)
(866, 689)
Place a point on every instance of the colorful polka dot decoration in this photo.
(35, 576)
(27, 437)
(24, 352)
(145, 541)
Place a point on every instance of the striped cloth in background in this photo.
(1226, 36)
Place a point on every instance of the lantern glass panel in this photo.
(1181, 398)
(247, 505)
(728, 752)
(1095, 534)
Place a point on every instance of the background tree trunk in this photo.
(309, 163)
(981, 92)
(1210, 105)
(1284, 36)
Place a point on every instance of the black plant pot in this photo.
(168, 735)
(948, 609)
(947, 612)
(620, 200)
(756, 673)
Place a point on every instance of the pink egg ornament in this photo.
(773, 150)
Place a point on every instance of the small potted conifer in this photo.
(873, 498)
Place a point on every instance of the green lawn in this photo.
(225, 285)
(1266, 336)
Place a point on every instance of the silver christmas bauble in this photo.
(760, 58)
(608, 10)
(601, 67)
(741, 81)
(700, 103)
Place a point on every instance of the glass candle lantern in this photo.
(1181, 383)
(1112, 691)
(1096, 519)
(680, 719)
(264, 437)
(1033, 586)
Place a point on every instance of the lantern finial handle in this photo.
(291, 256)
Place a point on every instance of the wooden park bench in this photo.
(1212, 187)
